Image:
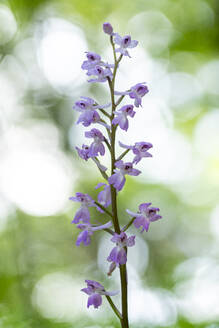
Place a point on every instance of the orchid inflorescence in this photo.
(91, 112)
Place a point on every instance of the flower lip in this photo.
(99, 69)
(126, 40)
(82, 104)
(145, 146)
(128, 167)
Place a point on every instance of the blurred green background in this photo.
(174, 268)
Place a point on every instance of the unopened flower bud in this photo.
(107, 28)
(111, 268)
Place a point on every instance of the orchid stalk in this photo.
(93, 113)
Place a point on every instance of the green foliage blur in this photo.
(38, 247)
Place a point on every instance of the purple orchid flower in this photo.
(118, 178)
(87, 107)
(84, 154)
(83, 213)
(87, 231)
(124, 43)
(95, 291)
(97, 145)
(121, 116)
(88, 117)
(140, 149)
(93, 59)
(108, 29)
(118, 254)
(85, 103)
(136, 92)
(145, 215)
(104, 197)
(101, 73)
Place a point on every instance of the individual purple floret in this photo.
(107, 28)
(85, 103)
(97, 145)
(88, 117)
(104, 197)
(146, 215)
(118, 254)
(121, 116)
(118, 178)
(136, 92)
(87, 231)
(82, 213)
(87, 107)
(140, 149)
(101, 73)
(94, 289)
(84, 154)
(93, 59)
(124, 43)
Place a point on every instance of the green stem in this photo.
(128, 225)
(116, 311)
(124, 288)
(104, 112)
(104, 209)
(113, 45)
(107, 143)
(115, 69)
(123, 154)
(119, 100)
(113, 190)
(123, 272)
(104, 175)
(111, 232)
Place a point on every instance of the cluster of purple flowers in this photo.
(90, 113)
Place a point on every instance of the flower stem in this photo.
(104, 112)
(119, 100)
(123, 272)
(104, 175)
(124, 288)
(111, 232)
(116, 311)
(123, 154)
(103, 208)
(128, 225)
(107, 143)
